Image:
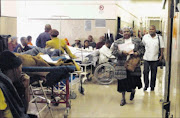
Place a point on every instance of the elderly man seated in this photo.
(105, 52)
(77, 43)
(14, 93)
(23, 46)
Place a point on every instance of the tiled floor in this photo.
(104, 101)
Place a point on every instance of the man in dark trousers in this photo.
(152, 43)
(44, 37)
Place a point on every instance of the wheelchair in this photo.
(104, 73)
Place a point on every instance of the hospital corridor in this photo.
(89, 59)
(104, 101)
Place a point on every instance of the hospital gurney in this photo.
(55, 75)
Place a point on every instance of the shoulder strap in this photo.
(159, 45)
(159, 41)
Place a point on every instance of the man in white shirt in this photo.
(105, 53)
(151, 56)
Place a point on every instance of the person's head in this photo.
(108, 43)
(126, 32)
(120, 31)
(47, 28)
(90, 38)
(77, 41)
(102, 39)
(86, 43)
(14, 39)
(29, 38)
(10, 65)
(54, 33)
(24, 41)
(152, 30)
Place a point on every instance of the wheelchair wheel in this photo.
(104, 74)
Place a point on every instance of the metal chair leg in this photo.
(35, 100)
(48, 101)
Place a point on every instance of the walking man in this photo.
(151, 56)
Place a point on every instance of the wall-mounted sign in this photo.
(87, 26)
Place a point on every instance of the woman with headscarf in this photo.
(12, 44)
(127, 80)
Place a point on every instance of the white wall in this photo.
(48, 9)
(8, 8)
(78, 10)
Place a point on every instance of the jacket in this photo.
(12, 98)
(20, 49)
(121, 70)
(42, 39)
(79, 46)
(59, 44)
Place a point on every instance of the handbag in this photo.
(161, 62)
(132, 63)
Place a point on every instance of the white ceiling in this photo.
(142, 8)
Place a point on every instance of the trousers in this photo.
(150, 66)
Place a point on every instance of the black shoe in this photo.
(152, 88)
(132, 95)
(145, 88)
(123, 102)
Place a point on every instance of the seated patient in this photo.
(105, 52)
(23, 46)
(101, 42)
(77, 43)
(29, 39)
(12, 43)
(58, 43)
(86, 44)
(13, 100)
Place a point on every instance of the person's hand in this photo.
(125, 53)
(160, 58)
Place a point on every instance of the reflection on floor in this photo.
(104, 101)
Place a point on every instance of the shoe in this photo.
(123, 102)
(145, 88)
(152, 88)
(132, 95)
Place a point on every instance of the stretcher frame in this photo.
(65, 92)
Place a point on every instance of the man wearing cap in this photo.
(13, 103)
(77, 43)
(58, 43)
(44, 37)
